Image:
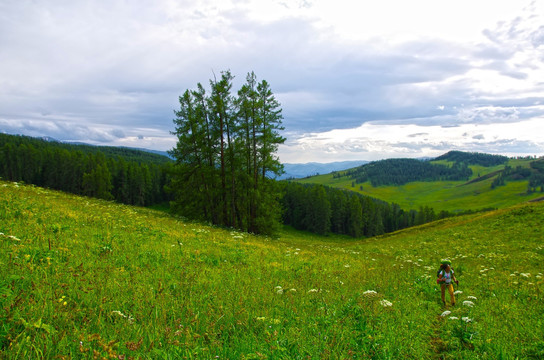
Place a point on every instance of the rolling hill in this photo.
(493, 182)
(86, 278)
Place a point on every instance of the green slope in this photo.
(453, 196)
(82, 278)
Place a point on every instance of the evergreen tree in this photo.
(224, 153)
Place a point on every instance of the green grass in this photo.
(82, 278)
(453, 196)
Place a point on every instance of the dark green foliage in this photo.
(402, 171)
(321, 209)
(224, 154)
(534, 174)
(474, 158)
(125, 175)
(536, 181)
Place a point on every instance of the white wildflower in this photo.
(445, 313)
(260, 318)
(472, 298)
(129, 318)
(313, 290)
(370, 293)
(293, 290)
(386, 303)
(280, 291)
(466, 319)
(525, 275)
(347, 265)
(468, 303)
(457, 292)
(453, 318)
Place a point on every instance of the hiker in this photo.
(446, 277)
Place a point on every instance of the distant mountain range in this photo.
(298, 171)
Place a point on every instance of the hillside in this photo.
(84, 278)
(492, 181)
(126, 175)
(128, 154)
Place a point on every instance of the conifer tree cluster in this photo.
(225, 155)
(125, 175)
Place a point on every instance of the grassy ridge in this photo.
(81, 278)
(453, 196)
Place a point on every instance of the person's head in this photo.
(447, 267)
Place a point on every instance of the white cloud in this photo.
(375, 140)
(368, 73)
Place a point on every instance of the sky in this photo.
(356, 79)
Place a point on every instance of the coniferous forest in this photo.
(322, 210)
(125, 175)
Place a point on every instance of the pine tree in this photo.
(225, 153)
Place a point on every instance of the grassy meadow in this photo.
(453, 196)
(88, 279)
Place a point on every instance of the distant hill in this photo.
(297, 171)
(454, 182)
(126, 175)
(473, 158)
(403, 171)
(129, 154)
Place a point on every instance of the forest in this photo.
(322, 210)
(473, 158)
(125, 175)
(403, 171)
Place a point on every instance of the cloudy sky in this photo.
(357, 79)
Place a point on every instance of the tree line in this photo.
(225, 153)
(402, 171)
(321, 209)
(128, 176)
(473, 158)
